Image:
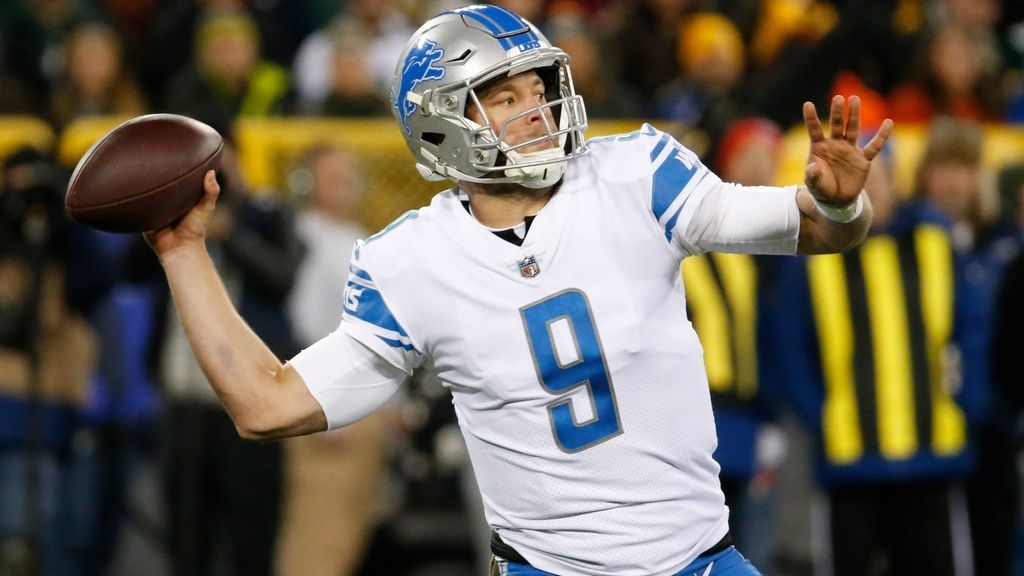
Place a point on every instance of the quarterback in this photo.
(542, 291)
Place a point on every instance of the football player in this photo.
(541, 291)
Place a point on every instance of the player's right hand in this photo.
(191, 229)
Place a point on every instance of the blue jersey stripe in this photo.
(357, 271)
(672, 221)
(669, 180)
(659, 147)
(671, 224)
(366, 304)
(396, 344)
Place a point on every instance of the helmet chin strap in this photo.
(540, 176)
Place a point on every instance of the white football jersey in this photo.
(577, 379)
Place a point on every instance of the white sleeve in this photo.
(726, 217)
(699, 213)
(348, 379)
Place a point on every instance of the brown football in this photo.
(143, 174)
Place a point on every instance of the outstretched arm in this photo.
(834, 214)
(265, 398)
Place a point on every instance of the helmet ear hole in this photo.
(435, 138)
(550, 75)
(552, 78)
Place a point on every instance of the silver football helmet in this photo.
(443, 65)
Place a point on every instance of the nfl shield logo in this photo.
(528, 267)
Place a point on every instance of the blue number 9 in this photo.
(587, 369)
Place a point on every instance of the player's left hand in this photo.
(838, 166)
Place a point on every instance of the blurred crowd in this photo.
(116, 458)
(702, 63)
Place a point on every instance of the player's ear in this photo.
(473, 113)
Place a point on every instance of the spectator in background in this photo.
(110, 282)
(118, 421)
(647, 39)
(1011, 40)
(385, 30)
(879, 349)
(94, 79)
(1011, 200)
(949, 176)
(705, 95)
(20, 57)
(951, 78)
(796, 36)
(994, 490)
(1007, 367)
(224, 494)
(976, 16)
(351, 90)
(17, 97)
(327, 180)
(31, 40)
(175, 24)
(47, 352)
(980, 20)
(134, 21)
(333, 479)
(749, 152)
(605, 96)
(228, 78)
(785, 26)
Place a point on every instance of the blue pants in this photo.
(728, 562)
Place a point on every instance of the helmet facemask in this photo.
(562, 116)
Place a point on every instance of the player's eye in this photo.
(504, 99)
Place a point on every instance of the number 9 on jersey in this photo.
(568, 312)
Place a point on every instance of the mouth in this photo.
(544, 143)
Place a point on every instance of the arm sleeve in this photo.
(348, 379)
(723, 217)
(700, 213)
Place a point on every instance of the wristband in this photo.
(842, 213)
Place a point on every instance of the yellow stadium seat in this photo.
(20, 131)
(81, 134)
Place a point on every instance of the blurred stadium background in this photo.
(92, 477)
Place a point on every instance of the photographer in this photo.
(46, 354)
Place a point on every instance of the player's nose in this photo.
(534, 120)
(530, 116)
